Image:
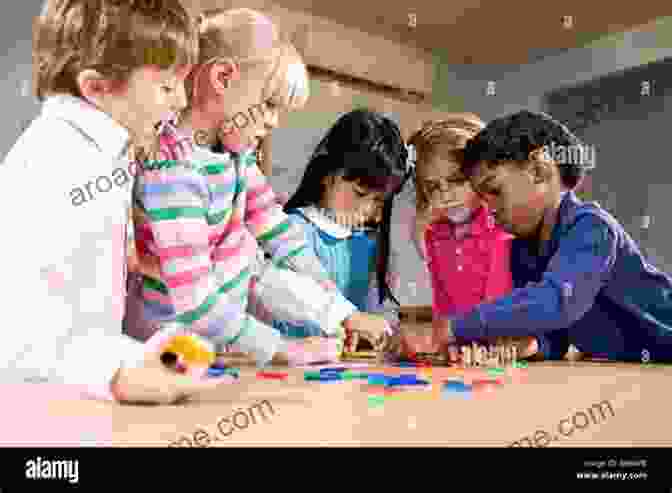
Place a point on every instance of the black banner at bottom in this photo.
(482, 469)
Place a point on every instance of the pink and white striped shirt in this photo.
(205, 214)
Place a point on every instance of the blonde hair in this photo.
(114, 37)
(445, 137)
(252, 40)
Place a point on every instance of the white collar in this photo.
(326, 224)
(108, 135)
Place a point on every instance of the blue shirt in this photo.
(347, 255)
(590, 286)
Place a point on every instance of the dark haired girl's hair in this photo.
(366, 147)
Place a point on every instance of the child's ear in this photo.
(540, 171)
(541, 166)
(92, 85)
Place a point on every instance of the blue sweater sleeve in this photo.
(575, 274)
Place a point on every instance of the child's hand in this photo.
(442, 333)
(443, 339)
(526, 347)
(351, 342)
(411, 344)
(153, 383)
(373, 328)
(394, 347)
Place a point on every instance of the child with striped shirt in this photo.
(206, 206)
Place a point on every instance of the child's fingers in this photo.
(419, 343)
(393, 345)
(353, 341)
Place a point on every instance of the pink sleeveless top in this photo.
(470, 270)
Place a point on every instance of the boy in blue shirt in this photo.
(579, 277)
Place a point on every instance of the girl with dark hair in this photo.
(344, 202)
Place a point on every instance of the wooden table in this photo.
(308, 413)
(300, 413)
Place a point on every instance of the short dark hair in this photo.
(513, 137)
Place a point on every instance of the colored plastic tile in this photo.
(267, 375)
(406, 380)
(351, 375)
(376, 400)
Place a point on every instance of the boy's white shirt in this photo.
(70, 333)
